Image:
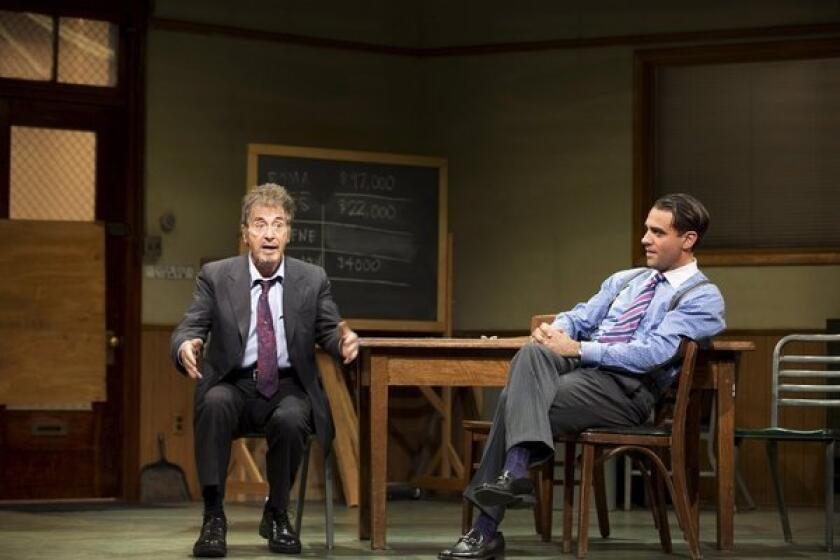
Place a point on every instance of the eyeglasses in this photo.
(261, 228)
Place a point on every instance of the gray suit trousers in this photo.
(547, 394)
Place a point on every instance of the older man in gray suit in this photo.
(258, 317)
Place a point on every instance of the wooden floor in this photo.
(417, 529)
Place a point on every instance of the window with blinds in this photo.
(758, 141)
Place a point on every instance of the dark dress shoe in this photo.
(212, 541)
(506, 491)
(276, 527)
(473, 546)
(265, 523)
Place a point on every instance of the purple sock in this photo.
(486, 525)
(516, 461)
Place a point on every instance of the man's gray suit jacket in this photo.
(220, 315)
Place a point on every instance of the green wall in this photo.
(539, 143)
(208, 96)
(540, 150)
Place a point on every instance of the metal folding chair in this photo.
(800, 386)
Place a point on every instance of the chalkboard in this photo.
(375, 222)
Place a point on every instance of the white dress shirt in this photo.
(275, 303)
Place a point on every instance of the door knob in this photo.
(112, 339)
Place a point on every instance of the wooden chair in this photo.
(245, 477)
(791, 388)
(678, 439)
(707, 434)
(476, 431)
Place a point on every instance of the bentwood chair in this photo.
(244, 477)
(800, 384)
(707, 434)
(677, 439)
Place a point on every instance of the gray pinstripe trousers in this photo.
(548, 394)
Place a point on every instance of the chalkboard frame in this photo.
(439, 324)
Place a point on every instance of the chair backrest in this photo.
(796, 386)
(685, 379)
(672, 405)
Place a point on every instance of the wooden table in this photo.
(450, 362)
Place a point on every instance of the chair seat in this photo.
(643, 430)
(249, 435)
(824, 434)
(478, 426)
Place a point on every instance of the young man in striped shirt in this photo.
(602, 364)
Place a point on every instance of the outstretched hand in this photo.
(188, 354)
(348, 342)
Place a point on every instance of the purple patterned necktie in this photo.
(625, 327)
(267, 381)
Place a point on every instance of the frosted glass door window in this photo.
(86, 49)
(87, 52)
(26, 46)
(53, 174)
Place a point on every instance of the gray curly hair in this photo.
(268, 194)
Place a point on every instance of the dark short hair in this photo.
(268, 194)
(688, 212)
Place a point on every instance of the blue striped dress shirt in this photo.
(699, 316)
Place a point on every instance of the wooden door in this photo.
(63, 413)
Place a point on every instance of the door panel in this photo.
(49, 454)
(52, 315)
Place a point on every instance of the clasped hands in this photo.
(556, 340)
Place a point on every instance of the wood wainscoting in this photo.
(166, 406)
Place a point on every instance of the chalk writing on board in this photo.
(374, 228)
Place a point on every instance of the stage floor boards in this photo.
(417, 529)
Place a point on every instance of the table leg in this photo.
(725, 442)
(364, 449)
(379, 449)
